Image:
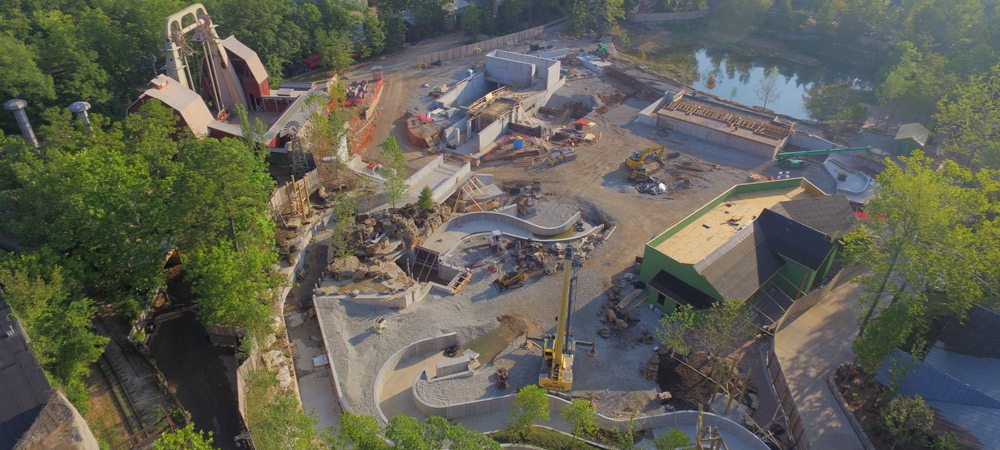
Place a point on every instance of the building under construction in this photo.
(207, 78)
(742, 129)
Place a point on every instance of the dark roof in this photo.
(963, 390)
(740, 266)
(680, 291)
(24, 390)
(978, 336)
(830, 214)
(794, 240)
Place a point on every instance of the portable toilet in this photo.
(518, 143)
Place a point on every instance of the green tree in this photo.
(834, 101)
(342, 240)
(625, 437)
(932, 231)
(471, 21)
(426, 200)
(429, 15)
(582, 416)
(674, 328)
(187, 438)
(459, 437)
(768, 89)
(20, 76)
(394, 189)
(969, 119)
(336, 49)
(374, 34)
(276, 420)
(58, 323)
(672, 440)
(531, 405)
(408, 433)
(577, 18)
(234, 288)
(73, 65)
(908, 420)
(361, 432)
(97, 205)
(723, 328)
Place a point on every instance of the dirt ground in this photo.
(597, 179)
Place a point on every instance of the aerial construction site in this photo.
(577, 198)
(558, 201)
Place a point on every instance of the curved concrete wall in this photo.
(516, 222)
(665, 420)
(437, 343)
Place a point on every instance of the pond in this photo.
(739, 77)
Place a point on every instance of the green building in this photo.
(767, 242)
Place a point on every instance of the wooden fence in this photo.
(508, 40)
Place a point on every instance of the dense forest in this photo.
(57, 52)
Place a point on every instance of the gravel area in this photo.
(358, 352)
(482, 383)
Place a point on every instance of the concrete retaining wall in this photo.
(488, 135)
(810, 141)
(509, 72)
(717, 136)
(437, 343)
(466, 91)
(492, 405)
(552, 54)
(397, 300)
(667, 16)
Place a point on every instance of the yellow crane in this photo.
(558, 350)
(637, 162)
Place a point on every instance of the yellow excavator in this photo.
(637, 162)
(558, 350)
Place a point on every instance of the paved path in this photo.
(809, 349)
(397, 398)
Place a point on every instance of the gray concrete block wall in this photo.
(810, 141)
(466, 91)
(510, 72)
(437, 343)
(488, 135)
(717, 136)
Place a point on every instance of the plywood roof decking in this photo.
(730, 122)
(694, 242)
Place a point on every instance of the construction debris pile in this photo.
(625, 296)
(409, 224)
(533, 259)
(382, 277)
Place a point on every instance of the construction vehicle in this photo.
(560, 156)
(602, 50)
(792, 160)
(637, 162)
(558, 350)
(510, 280)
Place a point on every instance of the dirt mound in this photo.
(689, 388)
(493, 343)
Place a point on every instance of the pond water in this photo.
(739, 77)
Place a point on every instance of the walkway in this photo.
(397, 398)
(809, 349)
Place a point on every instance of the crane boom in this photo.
(557, 369)
(787, 155)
